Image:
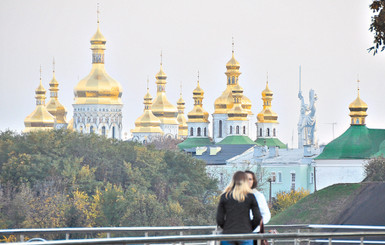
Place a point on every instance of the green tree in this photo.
(375, 169)
(377, 26)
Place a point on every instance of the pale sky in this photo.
(328, 38)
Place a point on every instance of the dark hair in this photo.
(255, 181)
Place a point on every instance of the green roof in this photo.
(381, 152)
(237, 140)
(357, 142)
(271, 142)
(194, 142)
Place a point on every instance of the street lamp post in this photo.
(269, 180)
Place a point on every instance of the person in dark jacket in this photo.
(233, 214)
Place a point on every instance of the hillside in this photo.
(360, 203)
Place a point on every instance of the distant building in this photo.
(98, 105)
(343, 159)
(147, 126)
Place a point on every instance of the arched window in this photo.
(237, 130)
(191, 131)
(233, 80)
(229, 81)
(244, 129)
(205, 132)
(220, 129)
(113, 132)
(231, 129)
(357, 121)
(274, 132)
(104, 131)
(199, 132)
(268, 132)
(92, 129)
(260, 132)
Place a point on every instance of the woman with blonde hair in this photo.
(233, 214)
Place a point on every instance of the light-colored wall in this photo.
(333, 171)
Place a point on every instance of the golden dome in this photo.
(267, 92)
(40, 118)
(267, 115)
(147, 122)
(198, 114)
(98, 37)
(98, 87)
(233, 64)
(162, 108)
(226, 101)
(54, 106)
(358, 110)
(182, 128)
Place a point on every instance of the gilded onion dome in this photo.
(358, 110)
(98, 87)
(182, 128)
(162, 108)
(225, 102)
(267, 115)
(40, 118)
(198, 114)
(147, 122)
(54, 106)
(237, 113)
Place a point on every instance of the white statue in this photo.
(307, 121)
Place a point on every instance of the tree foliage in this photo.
(377, 26)
(375, 169)
(283, 200)
(66, 179)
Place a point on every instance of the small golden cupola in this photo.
(40, 118)
(98, 87)
(358, 110)
(147, 122)
(198, 114)
(162, 108)
(225, 102)
(54, 106)
(237, 113)
(267, 115)
(182, 128)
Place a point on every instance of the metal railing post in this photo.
(67, 236)
(108, 235)
(146, 235)
(330, 241)
(362, 240)
(21, 238)
(181, 234)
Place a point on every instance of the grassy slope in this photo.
(321, 207)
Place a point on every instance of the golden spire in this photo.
(198, 114)
(267, 115)
(98, 87)
(162, 108)
(182, 128)
(54, 106)
(147, 122)
(40, 118)
(358, 109)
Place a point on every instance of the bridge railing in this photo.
(299, 237)
(206, 234)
